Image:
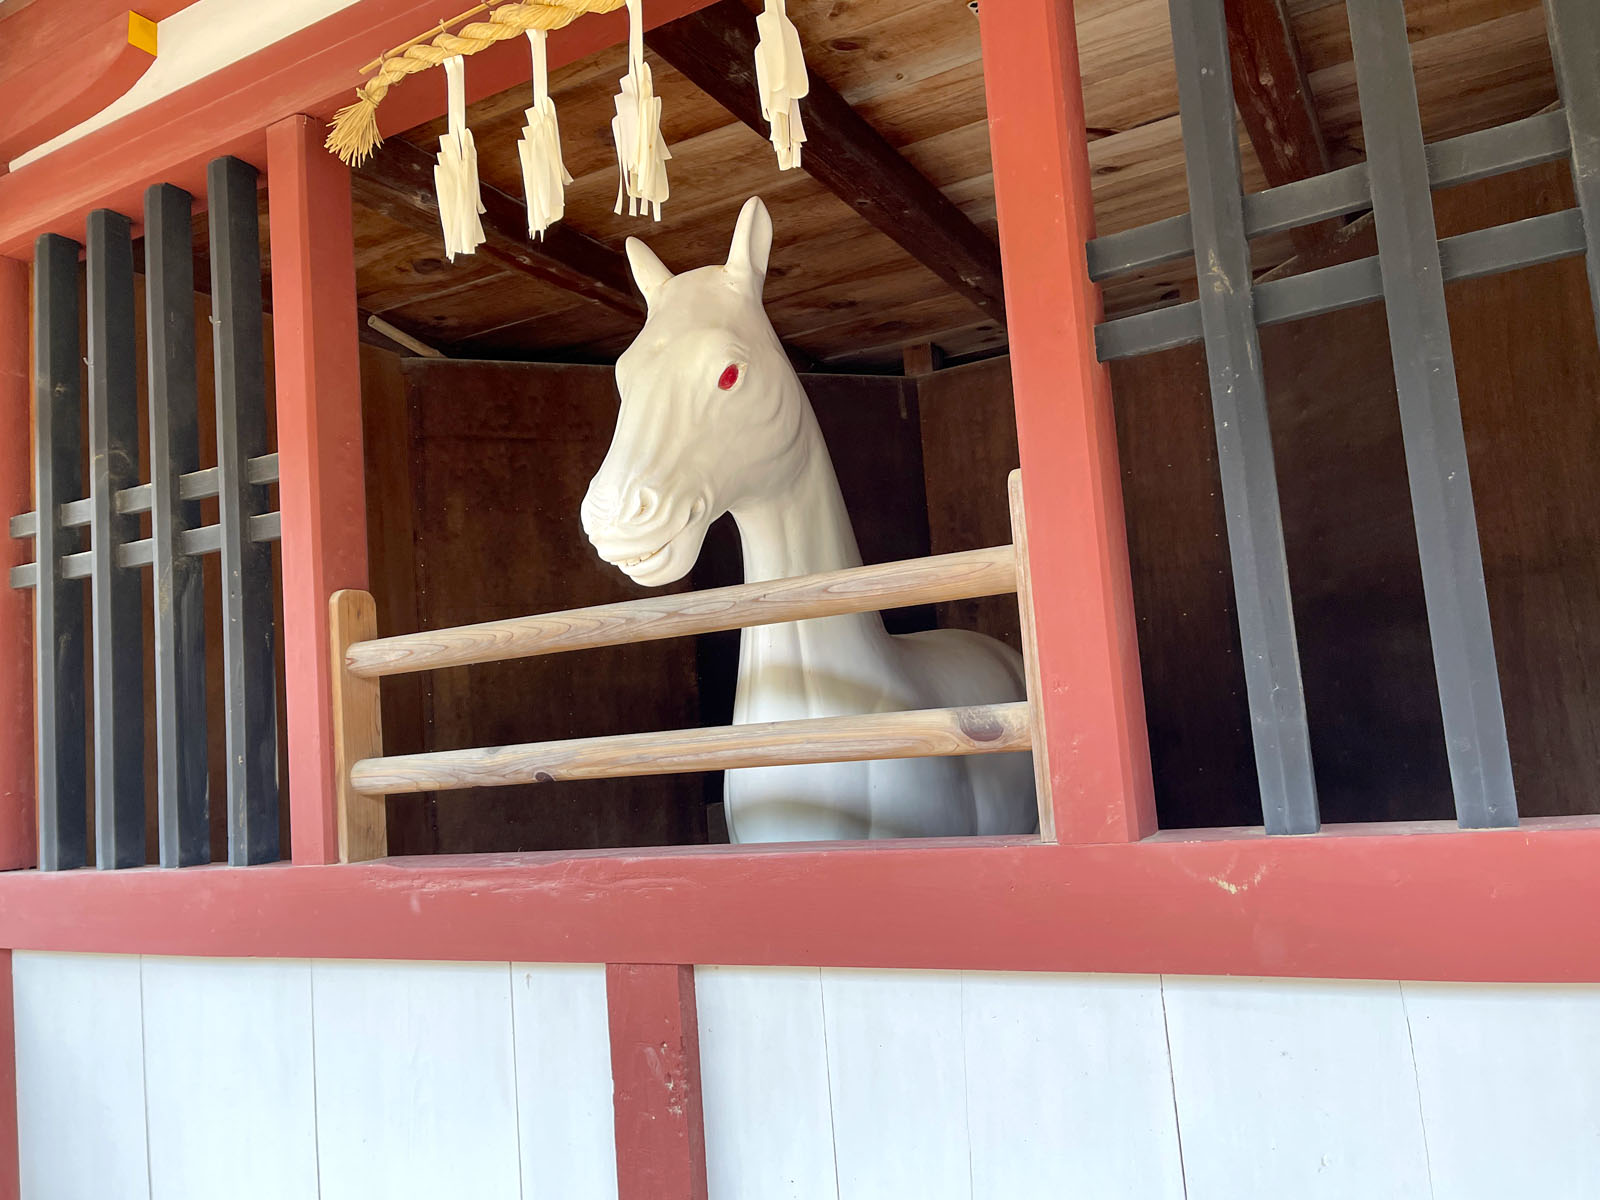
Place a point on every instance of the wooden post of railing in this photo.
(1030, 660)
(357, 727)
(18, 830)
(1090, 694)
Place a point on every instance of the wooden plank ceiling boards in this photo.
(886, 238)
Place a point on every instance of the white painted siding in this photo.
(188, 1079)
(172, 1079)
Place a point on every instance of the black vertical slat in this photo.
(180, 628)
(58, 602)
(1430, 419)
(247, 634)
(116, 606)
(1239, 407)
(1574, 28)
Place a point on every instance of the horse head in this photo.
(711, 409)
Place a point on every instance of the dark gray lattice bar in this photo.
(116, 603)
(113, 553)
(58, 606)
(1430, 419)
(1239, 409)
(247, 632)
(180, 666)
(1574, 29)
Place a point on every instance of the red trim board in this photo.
(1426, 902)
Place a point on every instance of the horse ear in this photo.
(752, 243)
(648, 271)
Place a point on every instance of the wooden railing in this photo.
(361, 659)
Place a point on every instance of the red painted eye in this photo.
(730, 376)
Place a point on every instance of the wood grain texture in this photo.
(927, 733)
(80, 1077)
(228, 1077)
(856, 589)
(357, 728)
(716, 46)
(655, 1069)
(1030, 661)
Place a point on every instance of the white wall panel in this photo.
(415, 1080)
(228, 1079)
(1069, 1092)
(80, 1077)
(563, 1061)
(764, 1074)
(895, 1065)
(1290, 1088)
(1510, 1083)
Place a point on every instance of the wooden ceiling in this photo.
(842, 293)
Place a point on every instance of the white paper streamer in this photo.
(455, 178)
(781, 81)
(544, 175)
(642, 153)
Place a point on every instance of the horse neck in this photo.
(802, 528)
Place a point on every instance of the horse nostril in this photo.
(649, 501)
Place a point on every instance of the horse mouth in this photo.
(629, 564)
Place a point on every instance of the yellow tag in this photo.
(142, 33)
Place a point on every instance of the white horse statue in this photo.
(715, 420)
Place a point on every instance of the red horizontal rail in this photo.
(1423, 902)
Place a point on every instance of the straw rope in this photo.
(354, 133)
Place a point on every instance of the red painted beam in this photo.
(655, 1074)
(1092, 696)
(33, 30)
(1385, 902)
(18, 839)
(321, 489)
(314, 71)
(72, 80)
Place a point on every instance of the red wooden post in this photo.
(655, 1072)
(1099, 753)
(18, 840)
(321, 489)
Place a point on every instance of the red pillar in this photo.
(1093, 702)
(321, 490)
(18, 837)
(655, 1072)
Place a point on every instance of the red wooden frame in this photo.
(17, 796)
(655, 1070)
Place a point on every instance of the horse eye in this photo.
(730, 376)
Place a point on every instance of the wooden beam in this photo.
(71, 79)
(398, 182)
(1275, 102)
(18, 831)
(715, 47)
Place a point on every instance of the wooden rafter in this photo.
(715, 48)
(398, 182)
(1275, 101)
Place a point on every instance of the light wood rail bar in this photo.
(926, 733)
(960, 576)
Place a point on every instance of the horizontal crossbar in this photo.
(267, 527)
(1472, 255)
(195, 485)
(961, 576)
(1457, 160)
(926, 733)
